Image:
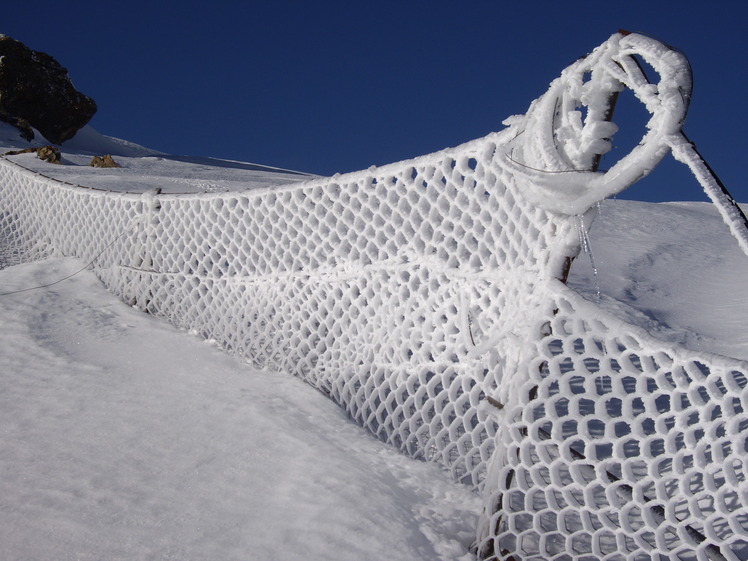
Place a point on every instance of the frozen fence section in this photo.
(426, 297)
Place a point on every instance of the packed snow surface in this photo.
(671, 268)
(126, 439)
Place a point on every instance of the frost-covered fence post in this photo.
(685, 151)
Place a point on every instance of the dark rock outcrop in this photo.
(35, 91)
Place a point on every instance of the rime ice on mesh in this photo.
(412, 292)
(399, 291)
(628, 448)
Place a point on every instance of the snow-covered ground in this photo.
(123, 438)
(142, 169)
(672, 268)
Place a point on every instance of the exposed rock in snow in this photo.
(49, 154)
(105, 161)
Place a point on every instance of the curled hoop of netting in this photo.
(567, 129)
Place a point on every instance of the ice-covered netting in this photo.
(618, 446)
(400, 291)
(424, 298)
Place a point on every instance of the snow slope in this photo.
(142, 169)
(672, 268)
(125, 439)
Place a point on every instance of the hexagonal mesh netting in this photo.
(416, 293)
(619, 447)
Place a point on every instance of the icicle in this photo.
(584, 240)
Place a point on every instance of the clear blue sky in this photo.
(336, 86)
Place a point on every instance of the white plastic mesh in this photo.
(413, 292)
(619, 446)
(385, 289)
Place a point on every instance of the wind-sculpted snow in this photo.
(424, 298)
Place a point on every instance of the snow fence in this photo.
(424, 298)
